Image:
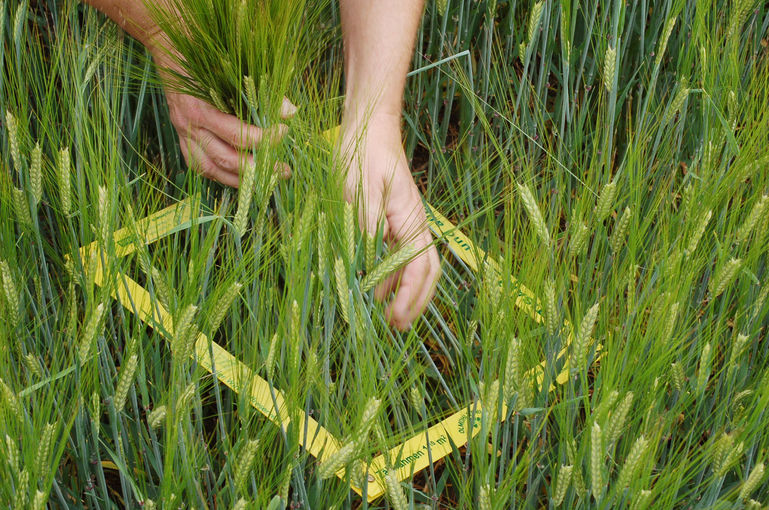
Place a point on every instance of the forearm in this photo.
(378, 45)
(134, 17)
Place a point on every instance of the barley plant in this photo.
(610, 156)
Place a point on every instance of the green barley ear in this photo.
(484, 497)
(223, 305)
(367, 419)
(417, 400)
(21, 207)
(95, 411)
(754, 479)
(605, 202)
(490, 401)
(632, 462)
(349, 232)
(39, 501)
(250, 87)
(395, 492)
(184, 400)
(596, 461)
(12, 451)
(216, 100)
(741, 10)
(677, 375)
(535, 215)
(44, 449)
(759, 208)
(631, 287)
(22, 490)
(512, 371)
(678, 100)
(185, 333)
(36, 173)
(12, 403)
(609, 68)
(306, 220)
(243, 463)
(737, 348)
(370, 251)
(90, 333)
(720, 450)
(576, 474)
(724, 277)
(729, 459)
(245, 194)
(534, 18)
(165, 295)
(579, 236)
(699, 229)
(620, 231)
(441, 6)
(670, 321)
(614, 428)
(704, 370)
(64, 171)
(390, 264)
(607, 402)
(11, 293)
(642, 500)
(562, 484)
(342, 289)
(127, 372)
(156, 417)
(582, 342)
(12, 128)
(551, 313)
(472, 329)
(337, 461)
(758, 305)
(663, 42)
(271, 356)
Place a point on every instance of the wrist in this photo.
(358, 121)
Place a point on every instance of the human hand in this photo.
(380, 183)
(214, 143)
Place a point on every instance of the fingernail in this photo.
(287, 109)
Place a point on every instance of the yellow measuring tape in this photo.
(407, 458)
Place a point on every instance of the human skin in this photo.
(378, 40)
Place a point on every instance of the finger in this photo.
(287, 109)
(400, 312)
(239, 134)
(221, 154)
(197, 160)
(432, 276)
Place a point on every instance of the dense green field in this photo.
(611, 156)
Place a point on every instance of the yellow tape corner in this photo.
(407, 458)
